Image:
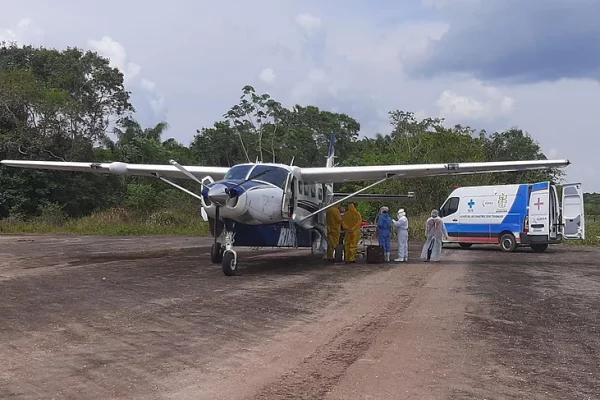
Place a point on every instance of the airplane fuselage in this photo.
(264, 194)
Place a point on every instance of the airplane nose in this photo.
(218, 195)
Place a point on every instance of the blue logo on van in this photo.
(471, 203)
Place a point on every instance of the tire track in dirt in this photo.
(322, 370)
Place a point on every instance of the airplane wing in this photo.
(366, 173)
(119, 168)
(375, 197)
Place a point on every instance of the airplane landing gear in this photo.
(216, 253)
(229, 263)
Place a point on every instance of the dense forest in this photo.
(64, 105)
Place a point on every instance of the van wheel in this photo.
(508, 242)
(465, 245)
(539, 248)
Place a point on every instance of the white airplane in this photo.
(278, 205)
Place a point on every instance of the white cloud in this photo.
(24, 32)
(353, 57)
(148, 85)
(458, 108)
(308, 22)
(267, 75)
(117, 55)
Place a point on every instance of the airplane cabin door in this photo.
(573, 215)
(289, 198)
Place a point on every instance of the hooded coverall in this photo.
(334, 226)
(351, 224)
(384, 226)
(402, 230)
(435, 230)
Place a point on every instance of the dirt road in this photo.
(150, 318)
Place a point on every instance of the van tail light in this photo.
(526, 225)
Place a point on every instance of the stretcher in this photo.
(367, 238)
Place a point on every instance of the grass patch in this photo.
(113, 222)
(592, 233)
(184, 221)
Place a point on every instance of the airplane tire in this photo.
(229, 264)
(539, 248)
(508, 242)
(216, 253)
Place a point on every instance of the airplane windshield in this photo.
(274, 175)
(238, 172)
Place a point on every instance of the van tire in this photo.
(539, 247)
(465, 245)
(508, 242)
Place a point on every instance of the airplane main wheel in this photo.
(229, 264)
(216, 253)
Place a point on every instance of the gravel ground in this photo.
(152, 318)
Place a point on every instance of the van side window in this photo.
(452, 205)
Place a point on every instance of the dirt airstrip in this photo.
(152, 318)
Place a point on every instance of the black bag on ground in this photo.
(375, 254)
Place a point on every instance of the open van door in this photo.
(539, 209)
(573, 218)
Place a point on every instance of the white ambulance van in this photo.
(514, 215)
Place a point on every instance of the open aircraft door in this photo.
(287, 204)
(573, 216)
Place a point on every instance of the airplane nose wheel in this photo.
(229, 263)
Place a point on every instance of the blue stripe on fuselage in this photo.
(267, 235)
(512, 221)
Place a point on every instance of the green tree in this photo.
(56, 105)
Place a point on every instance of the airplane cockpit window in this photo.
(275, 175)
(238, 172)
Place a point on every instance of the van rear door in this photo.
(573, 215)
(539, 209)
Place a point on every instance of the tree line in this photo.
(61, 105)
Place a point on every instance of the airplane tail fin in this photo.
(331, 153)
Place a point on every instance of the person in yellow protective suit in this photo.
(351, 225)
(334, 226)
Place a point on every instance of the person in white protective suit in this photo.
(435, 232)
(401, 226)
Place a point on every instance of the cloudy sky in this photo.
(490, 64)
